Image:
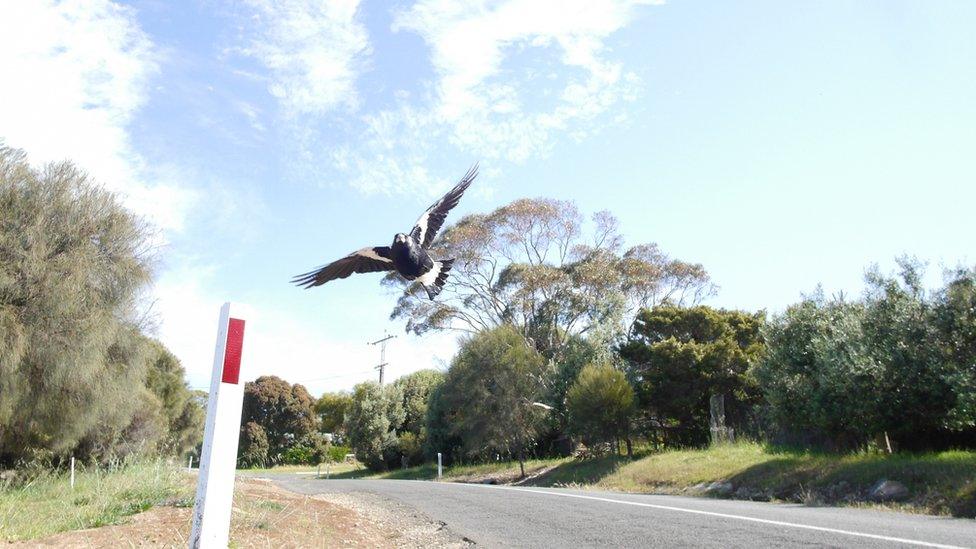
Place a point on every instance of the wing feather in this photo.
(427, 226)
(366, 260)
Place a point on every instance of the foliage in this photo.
(600, 405)
(371, 422)
(411, 447)
(416, 389)
(897, 362)
(337, 454)
(183, 413)
(527, 264)
(252, 446)
(73, 362)
(285, 412)
(488, 393)
(331, 409)
(954, 316)
(441, 437)
(679, 357)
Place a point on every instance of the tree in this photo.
(894, 366)
(285, 412)
(73, 261)
(914, 382)
(679, 357)
(528, 265)
(416, 389)
(955, 323)
(252, 446)
(600, 406)
(371, 423)
(489, 391)
(182, 414)
(818, 375)
(331, 409)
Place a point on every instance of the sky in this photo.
(781, 144)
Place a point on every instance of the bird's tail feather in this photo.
(438, 277)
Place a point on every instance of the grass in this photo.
(47, 504)
(500, 470)
(938, 482)
(942, 483)
(333, 469)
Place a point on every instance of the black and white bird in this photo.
(407, 255)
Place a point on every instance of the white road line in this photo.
(724, 515)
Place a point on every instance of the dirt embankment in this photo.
(267, 516)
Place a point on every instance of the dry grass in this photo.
(47, 504)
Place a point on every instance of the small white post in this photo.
(440, 467)
(328, 469)
(72, 472)
(218, 460)
(318, 471)
(189, 464)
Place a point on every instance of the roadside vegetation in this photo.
(44, 503)
(577, 348)
(942, 483)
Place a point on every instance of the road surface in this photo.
(504, 516)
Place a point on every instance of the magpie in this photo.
(407, 255)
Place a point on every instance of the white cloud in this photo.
(74, 74)
(315, 51)
(511, 78)
(276, 342)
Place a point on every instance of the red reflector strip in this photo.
(232, 352)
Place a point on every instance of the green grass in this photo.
(47, 505)
(335, 468)
(939, 483)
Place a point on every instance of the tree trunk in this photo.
(630, 448)
(521, 458)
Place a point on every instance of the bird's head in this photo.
(399, 238)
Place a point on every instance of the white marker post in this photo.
(440, 470)
(218, 461)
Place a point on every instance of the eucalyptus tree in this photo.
(530, 264)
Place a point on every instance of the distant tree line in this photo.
(78, 375)
(575, 340)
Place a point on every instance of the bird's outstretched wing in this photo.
(427, 226)
(367, 260)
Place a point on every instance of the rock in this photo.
(743, 492)
(888, 490)
(490, 481)
(720, 488)
(700, 487)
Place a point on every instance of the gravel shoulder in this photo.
(265, 515)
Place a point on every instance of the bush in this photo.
(600, 405)
(299, 454)
(839, 374)
(337, 454)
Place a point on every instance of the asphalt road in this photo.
(502, 516)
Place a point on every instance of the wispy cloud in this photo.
(314, 50)
(74, 75)
(514, 112)
(511, 79)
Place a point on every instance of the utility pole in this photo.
(382, 344)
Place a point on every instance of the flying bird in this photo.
(407, 255)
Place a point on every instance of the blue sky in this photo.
(780, 144)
